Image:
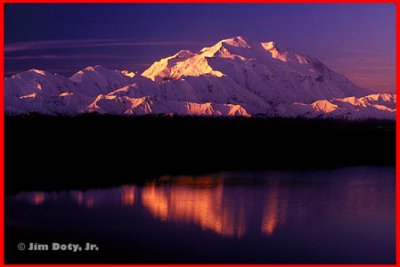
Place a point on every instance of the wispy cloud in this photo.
(75, 43)
(67, 56)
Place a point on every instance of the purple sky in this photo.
(357, 40)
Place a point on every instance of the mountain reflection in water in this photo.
(232, 204)
(206, 202)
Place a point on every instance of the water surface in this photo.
(333, 216)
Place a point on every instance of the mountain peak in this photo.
(98, 79)
(226, 46)
(269, 45)
(283, 53)
(184, 54)
(237, 41)
(40, 72)
(32, 73)
(89, 68)
(95, 68)
(128, 73)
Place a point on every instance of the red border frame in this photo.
(2, 225)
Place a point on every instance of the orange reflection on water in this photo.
(197, 200)
(89, 202)
(270, 215)
(128, 195)
(38, 198)
(79, 197)
(85, 199)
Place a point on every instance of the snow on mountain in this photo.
(99, 80)
(273, 74)
(234, 77)
(111, 104)
(378, 106)
(43, 92)
(47, 93)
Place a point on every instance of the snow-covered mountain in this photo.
(99, 80)
(43, 92)
(378, 106)
(235, 77)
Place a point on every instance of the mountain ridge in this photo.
(234, 77)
